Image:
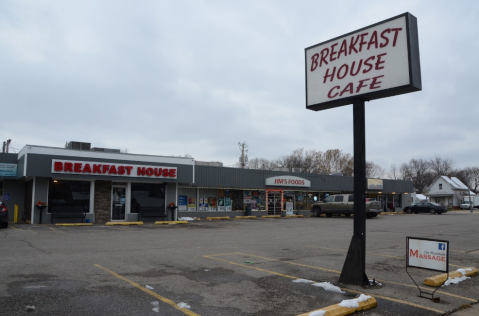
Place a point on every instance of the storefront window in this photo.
(69, 193)
(147, 195)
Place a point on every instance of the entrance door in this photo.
(384, 202)
(118, 200)
(274, 203)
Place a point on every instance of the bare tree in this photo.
(417, 171)
(374, 170)
(441, 166)
(394, 172)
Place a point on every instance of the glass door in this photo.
(118, 201)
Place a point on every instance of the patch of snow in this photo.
(148, 287)
(328, 287)
(374, 282)
(463, 271)
(183, 305)
(354, 303)
(302, 281)
(155, 309)
(317, 313)
(206, 270)
(155, 303)
(455, 280)
(186, 218)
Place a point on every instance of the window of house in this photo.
(69, 193)
(440, 186)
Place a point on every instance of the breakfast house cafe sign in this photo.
(377, 61)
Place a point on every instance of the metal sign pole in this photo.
(354, 269)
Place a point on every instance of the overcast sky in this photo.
(197, 77)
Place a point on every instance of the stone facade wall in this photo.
(102, 204)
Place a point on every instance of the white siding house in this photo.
(447, 190)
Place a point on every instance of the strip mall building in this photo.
(114, 186)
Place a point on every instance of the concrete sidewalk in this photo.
(473, 311)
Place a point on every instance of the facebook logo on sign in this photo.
(442, 246)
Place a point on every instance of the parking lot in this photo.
(227, 267)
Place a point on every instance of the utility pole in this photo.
(243, 159)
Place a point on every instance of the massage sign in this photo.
(113, 169)
(378, 61)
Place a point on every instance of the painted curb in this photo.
(438, 280)
(123, 223)
(219, 217)
(294, 216)
(336, 310)
(245, 217)
(170, 222)
(74, 224)
(271, 216)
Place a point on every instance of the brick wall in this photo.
(102, 205)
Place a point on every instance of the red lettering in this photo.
(58, 166)
(368, 64)
(77, 167)
(362, 42)
(172, 173)
(149, 172)
(385, 38)
(343, 49)
(141, 171)
(379, 61)
(87, 168)
(396, 35)
(349, 88)
(359, 67)
(345, 72)
(105, 168)
(314, 62)
(96, 168)
(333, 52)
(361, 85)
(336, 94)
(324, 54)
(121, 170)
(373, 40)
(128, 169)
(329, 75)
(158, 172)
(112, 170)
(353, 44)
(68, 166)
(413, 253)
(374, 84)
(166, 173)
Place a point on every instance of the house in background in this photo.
(416, 197)
(447, 190)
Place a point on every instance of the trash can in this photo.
(248, 210)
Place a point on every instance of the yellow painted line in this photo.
(226, 254)
(123, 223)
(138, 286)
(338, 272)
(294, 216)
(170, 222)
(219, 217)
(245, 217)
(438, 280)
(372, 253)
(293, 263)
(13, 227)
(271, 216)
(55, 230)
(74, 224)
(458, 251)
(336, 310)
(344, 289)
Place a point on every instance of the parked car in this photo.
(467, 205)
(428, 207)
(3, 215)
(343, 204)
(407, 209)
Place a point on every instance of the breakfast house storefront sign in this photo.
(377, 61)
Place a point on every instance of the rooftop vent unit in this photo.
(209, 163)
(78, 145)
(281, 169)
(106, 150)
(297, 170)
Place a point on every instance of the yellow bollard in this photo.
(15, 214)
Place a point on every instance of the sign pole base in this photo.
(353, 271)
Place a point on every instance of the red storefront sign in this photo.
(113, 169)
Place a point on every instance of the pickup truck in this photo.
(343, 204)
(467, 205)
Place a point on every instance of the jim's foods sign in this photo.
(427, 254)
(378, 61)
